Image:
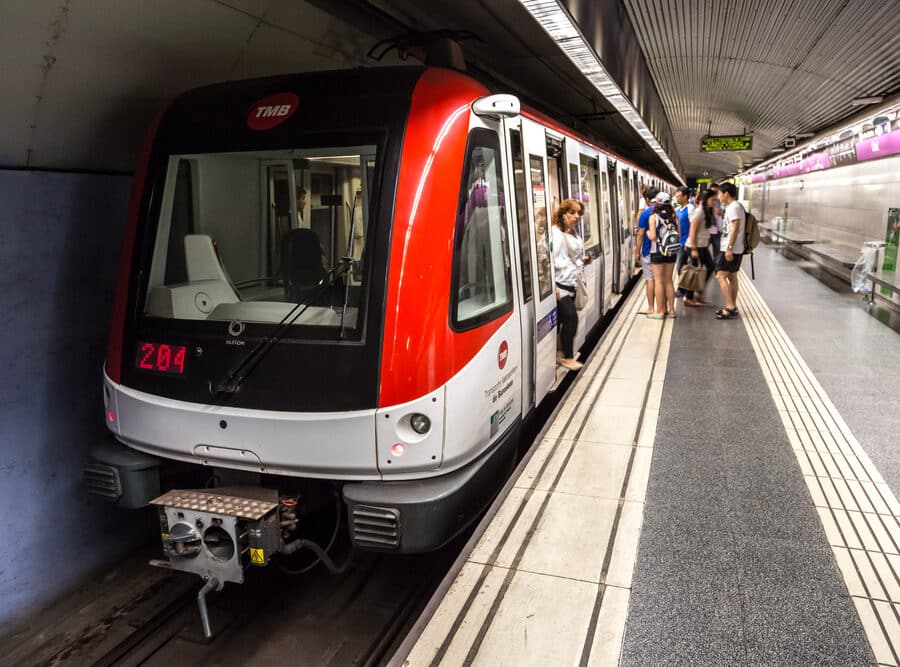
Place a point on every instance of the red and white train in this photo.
(345, 276)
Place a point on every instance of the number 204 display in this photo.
(160, 358)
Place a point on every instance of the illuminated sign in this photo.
(160, 357)
(272, 111)
(701, 181)
(729, 143)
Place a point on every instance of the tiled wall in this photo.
(58, 256)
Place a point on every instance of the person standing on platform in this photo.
(682, 211)
(715, 231)
(696, 247)
(568, 261)
(642, 249)
(728, 262)
(663, 217)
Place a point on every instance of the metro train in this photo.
(338, 285)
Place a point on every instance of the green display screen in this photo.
(732, 143)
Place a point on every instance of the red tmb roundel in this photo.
(272, 111)
(502, 355)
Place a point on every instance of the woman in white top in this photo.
(568, 261)
(696, 247)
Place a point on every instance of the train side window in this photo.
(482, 283)
(518, 162)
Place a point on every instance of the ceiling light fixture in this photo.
(863, 101)
(563, 30)
(805, 135)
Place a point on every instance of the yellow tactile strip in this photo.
(530, 594)
(859, 512)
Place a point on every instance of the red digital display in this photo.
(160, 357)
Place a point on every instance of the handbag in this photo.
(581, 292)
(692, 276)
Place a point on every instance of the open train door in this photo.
(538, 199)
(615, 199)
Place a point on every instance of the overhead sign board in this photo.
(729, 143)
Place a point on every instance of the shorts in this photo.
(723, 264)
(659, 258)
(645, 267)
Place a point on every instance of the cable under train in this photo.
(335, 295)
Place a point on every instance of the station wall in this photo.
(58, 259)
(850, 204)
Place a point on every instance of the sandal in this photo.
(657, 317)
(727, 314)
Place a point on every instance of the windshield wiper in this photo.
(235, 378)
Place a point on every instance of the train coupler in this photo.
(217, 533)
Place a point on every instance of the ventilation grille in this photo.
(376, 527)
(102, 480)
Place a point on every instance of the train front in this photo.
(269, 264)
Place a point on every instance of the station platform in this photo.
(709, 492)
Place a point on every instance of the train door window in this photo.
(518, 163)
(590, 221)
(541, 227)
(482, 283)
(607, 215)
(279, 210)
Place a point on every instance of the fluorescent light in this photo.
(806, 135)
(557, 23)
(778, 149)
(863, 101)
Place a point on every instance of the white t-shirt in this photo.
(734, 212)
(565, 247)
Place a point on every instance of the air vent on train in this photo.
(376, 527)
(102, 480)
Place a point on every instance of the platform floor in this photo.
(743, 522)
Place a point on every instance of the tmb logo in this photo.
(502, 355)
(272, 111)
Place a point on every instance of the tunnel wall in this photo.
(58, 258)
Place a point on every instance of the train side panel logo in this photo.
(272, 111)
(502, 355)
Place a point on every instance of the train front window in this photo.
(263, 230)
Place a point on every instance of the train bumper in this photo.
(423, 515)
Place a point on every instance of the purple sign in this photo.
(759, 177)
(816, 162)
(875, 147)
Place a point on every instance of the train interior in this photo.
(248, 236)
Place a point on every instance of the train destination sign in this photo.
(727, 143)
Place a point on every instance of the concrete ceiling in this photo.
(81, 79)
(774, 68)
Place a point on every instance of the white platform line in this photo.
(859, 512)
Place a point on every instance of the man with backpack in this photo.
(642, 248)
(728, 261)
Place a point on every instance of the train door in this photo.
(556, 172)
(524, 242)
(606, 239)
(582, 173)
(545, 316)
(626, 226)
(615, 198)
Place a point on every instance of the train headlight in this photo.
(420, 423)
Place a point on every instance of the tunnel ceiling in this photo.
(774, 68)
(82, 79)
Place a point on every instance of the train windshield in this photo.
(247, 236)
